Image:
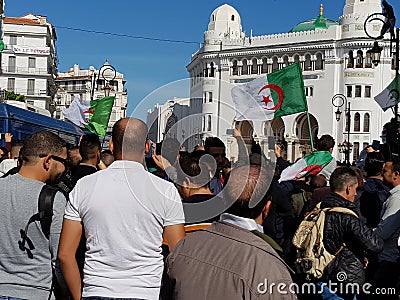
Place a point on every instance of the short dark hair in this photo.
(247, 184)
(131, 131)
(374, 163)
(106, 157)
(42, 143)
(395, 165)
(213, 142)
(342, 177)
(192, 166)
(89, 146)
(325, 142)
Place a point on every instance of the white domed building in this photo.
(335, 59)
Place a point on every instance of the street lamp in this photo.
(338, 101)
(388, 21)
(106, 73)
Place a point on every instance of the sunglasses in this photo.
(64, 161)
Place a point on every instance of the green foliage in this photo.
(11, 95)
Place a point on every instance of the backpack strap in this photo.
(44, 215)
(343, 210)
(45, 208)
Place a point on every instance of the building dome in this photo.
(318, 23)
(225, 14)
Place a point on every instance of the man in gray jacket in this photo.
(26, 271)
(232, 259)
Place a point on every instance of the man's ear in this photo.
(111, 146)
(46, 162)
(347, 189)
(266, 209)
(147, 147)
(187, 182)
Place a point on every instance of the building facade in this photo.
(170, 120)
(29, 62)
(335, 59)
(85, 84)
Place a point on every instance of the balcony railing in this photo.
(29, 92)
(20, 70)
(75, 88)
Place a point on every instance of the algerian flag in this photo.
(311, 164)
(75, 113)
(100, 111)
(270, 96)
(390, 96)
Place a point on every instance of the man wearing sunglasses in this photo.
(26, 268)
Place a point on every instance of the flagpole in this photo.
(309, 128)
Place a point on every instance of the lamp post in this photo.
(388, 21)
(106, 73)
(338, 101)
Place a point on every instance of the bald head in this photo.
(129, 139)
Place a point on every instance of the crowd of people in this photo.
(145, 221)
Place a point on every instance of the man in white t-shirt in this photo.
(124, 210)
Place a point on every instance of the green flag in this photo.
(290, 80)
(100, 115)
(2, 46)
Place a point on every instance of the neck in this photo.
(204, 190)
(343, 195)
(259, 220)
(92, 162)
(32, 172)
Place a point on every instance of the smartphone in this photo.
(2, 136)
(271, 143)
(158, 148)
(230, 132)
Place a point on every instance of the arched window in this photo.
(307, 63)
(359, 59)
(235, 67)
(209, 123)
(296, 58)
(212, 70)
(350, 62)
(319, 64)
(366, 122)
(264, 68)
(213, 18)
(254, 66)
(357, 122)
(275, 65)
(205, 71)
(285, 61)
(233, 18)
(368, 59)
(245, 67)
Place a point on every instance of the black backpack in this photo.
(44, 216)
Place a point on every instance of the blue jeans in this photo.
(9, 298)
(104, 298)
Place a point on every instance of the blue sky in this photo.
(149, 65)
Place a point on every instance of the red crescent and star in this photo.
(268, 99)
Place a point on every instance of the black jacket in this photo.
(372, 195)
(345, 228)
